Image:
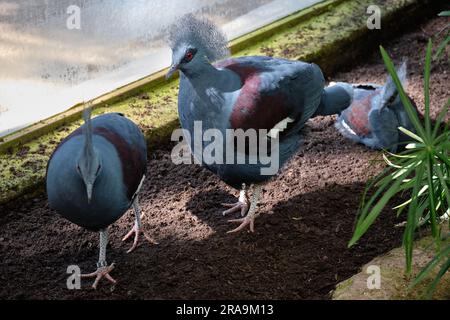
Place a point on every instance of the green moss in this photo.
(344, 285)
(327, 39)
(23, 167)
(330, 38)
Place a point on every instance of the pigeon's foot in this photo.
(242, 205)
(234, 207)
(102, 272)
(136, 230)
(103, 269)
(249, 219)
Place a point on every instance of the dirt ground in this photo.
(299, 249)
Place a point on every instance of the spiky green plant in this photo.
(422, 172)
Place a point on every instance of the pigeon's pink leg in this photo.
(137, 228)
(99, 274)
(242, 204)
(103, 269)
(249, 219)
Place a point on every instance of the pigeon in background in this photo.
(94, 176)
(375, 114)
(254, 92)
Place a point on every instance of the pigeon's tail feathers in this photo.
(402, 72)
(335, 98)
(390, 92)
(385, 125)
(201, 33)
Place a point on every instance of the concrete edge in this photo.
(394, 282)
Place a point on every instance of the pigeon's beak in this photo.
(89, 187)
(172, 70)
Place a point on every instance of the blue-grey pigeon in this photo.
(376, 113)
(254, 92)
(94, 176)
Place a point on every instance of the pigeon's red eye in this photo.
(189, 55)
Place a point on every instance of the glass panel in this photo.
(49, 65)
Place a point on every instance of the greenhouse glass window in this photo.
(57, 53)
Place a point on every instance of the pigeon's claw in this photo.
(234, 207)
(249, 220)
(102, 272)
(137, 231)
(242, 204)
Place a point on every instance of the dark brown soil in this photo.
(299, 249)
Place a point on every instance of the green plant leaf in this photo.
(440, 50)
(444, 183)
(412, 220)
(432, 288)
(432, 200)
(411, 134)
(421, 192)
(440, 118)
(430, 266)
(426, 87)
(443, 158)
(369, 214)
(410, 110)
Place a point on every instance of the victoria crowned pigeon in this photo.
(253, 92)
(375, 115)
(94, 176)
